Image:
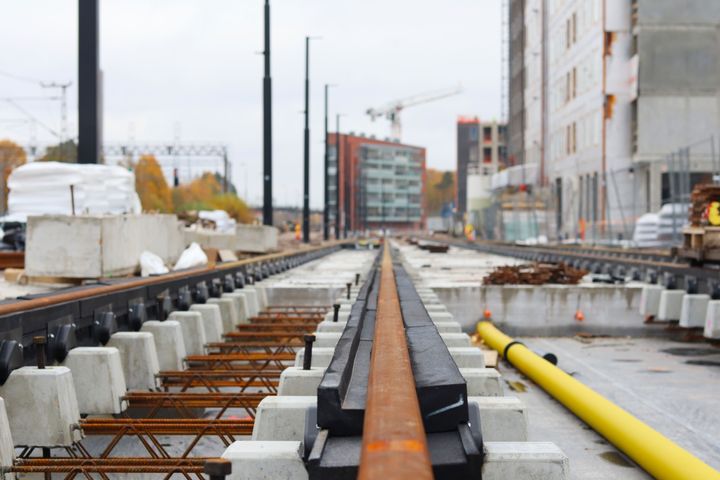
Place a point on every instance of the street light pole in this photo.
(326, 211)
(267, 126)
(337, 176)
(306, 190)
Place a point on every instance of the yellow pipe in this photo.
(655, 453)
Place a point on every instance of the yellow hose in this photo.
(655, 453)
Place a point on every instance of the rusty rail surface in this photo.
(59, 298)
(394, 445)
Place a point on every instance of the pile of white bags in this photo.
(43, 188)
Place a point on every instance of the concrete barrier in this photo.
(169, 343)
(295, 381)
(266, 461)
(502, 419)
(256, 238)
(712, 320)
(212, 321)
(139, 359)
(670, 305)
(482, 382)
(524, 460)
(42, 407)
(693, 311)
(650, 300)
(7, 450)
(228, 312)
(282, 418)
(98, 377)
(193, 331)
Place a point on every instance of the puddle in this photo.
(691, 351)
(616, 459)
(517, 386)
(627, 360)
(704, 363)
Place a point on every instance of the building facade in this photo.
(482, 152)
(382, 184)
(612, 89)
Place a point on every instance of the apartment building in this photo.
(612, 87)
(382, 183)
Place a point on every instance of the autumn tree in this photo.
(12, 155)
(151, 186)
(206, 193)
(63, 152)
(440, 190)
(234, 206)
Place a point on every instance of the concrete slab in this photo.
(256, 238)
(502, 419)
(266, 461)
(712, 320)
(193, 331)
(7, 450)
(694, 310)
(212, 321)
(650, 300)
(228, 312)
(670, 305)
(169, 343)
(139, 359)
(482, 382)
(295, 381)
(98, 378)
(42, 407)
(282, 418)
(525, 461)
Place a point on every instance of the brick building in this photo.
(382, 184)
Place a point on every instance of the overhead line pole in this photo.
(89, 119)
(326, 211)
(267, 126)
(337, 176)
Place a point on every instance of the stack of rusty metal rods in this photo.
(394, 445)
(214, 380)
(535, 274)
(103, 466)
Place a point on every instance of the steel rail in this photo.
(394, 445)
(58, 298)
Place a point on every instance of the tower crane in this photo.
(392, 110)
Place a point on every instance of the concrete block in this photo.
(694, 310)
(331, 327)
(482, 382)
(193, 331)
(524, 461)
(468, 357)
(448, 327)
(242, 306)
(98, 378)
(42, 407)
(670, 305)
(438, 316)
(260, 289)
(436, 307)
(7, 450)
(650, 300)
(294, 381)
(453, 340)
(251, 306)
(282, 418)
(139, 359)
(169, 343)
(212, 321)
(266, 461)
(228, 312)
(712, 320)
(210, 239)
(465, 357)
(98, 245)
(502, 419)
(256, 238)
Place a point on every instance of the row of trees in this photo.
(439, 190)
(203, 193)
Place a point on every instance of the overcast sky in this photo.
(190, 68)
